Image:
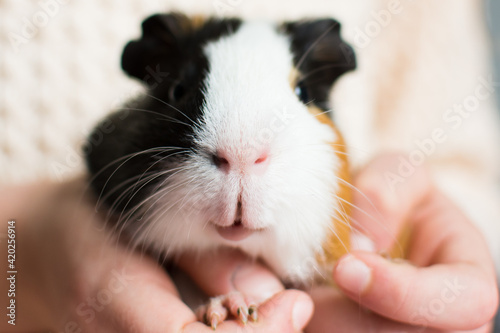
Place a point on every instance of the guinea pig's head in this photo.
(230, 145)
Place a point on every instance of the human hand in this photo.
(448, 283)
(74, 277)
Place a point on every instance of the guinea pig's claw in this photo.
(214, 321)
(237, 305)
(213, 313)
(242, 314)
(252, 311)
(218, 309)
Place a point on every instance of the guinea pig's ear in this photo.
(320, 55)
(159, 48)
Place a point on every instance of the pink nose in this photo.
(254, 162)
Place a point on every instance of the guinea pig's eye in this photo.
(301, 92)
(176, 91)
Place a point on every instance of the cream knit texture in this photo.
(60, 72)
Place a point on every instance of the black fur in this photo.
(321, 57)
(168, 58)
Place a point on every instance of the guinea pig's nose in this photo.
(253, 161)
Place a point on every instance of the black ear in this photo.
(320, 55)
(159, 48)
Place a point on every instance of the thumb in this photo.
(229, 271)
(382, 208)
(439, 296)
(287, 311)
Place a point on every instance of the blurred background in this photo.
(492, 10)
(492, 13)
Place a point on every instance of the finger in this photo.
(287, 311)
(147, 304)
(447, 244)
(383, 199)
(229, 270)
(442, 234)
(216, 313)
(138, 297)
(237, 305)
(452, 297)
(334, 310)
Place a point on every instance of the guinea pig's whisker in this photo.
(309, 103)
(143, 228)
(132, 192)
(154, 157)
(121, 222)
(88, 185)
(170, 173)
(148, 181)
(144, 181)
(135, 180)
(342, 217)
(162, 159)
(334, 232)
(182, 200)
(322, 113)
(157, 216)
(171, 106)
(112, 211)
(359, 227)
(172, 204)
(347, 147)
(140, 206)
(154, 214)
(190, 191)
(306, 75)
(205, 224)
(328, 148)
(188, 215)
(342, 213)
(124, 219)
(345, 215)
(167, 118)
(149, 150)
(127, 158)
(164, 191)
(341, 180)
(313, 45)
(189, 180)
(379, 220)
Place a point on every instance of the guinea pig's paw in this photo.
(220, 308)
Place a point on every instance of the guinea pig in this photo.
(232, 144)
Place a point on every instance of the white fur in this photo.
(292, 201)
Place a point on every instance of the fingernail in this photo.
(361, 242)
(302, 311)
(255, 284)
(353, 275)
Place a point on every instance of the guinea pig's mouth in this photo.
(235, 232)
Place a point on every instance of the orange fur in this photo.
(338, 242)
